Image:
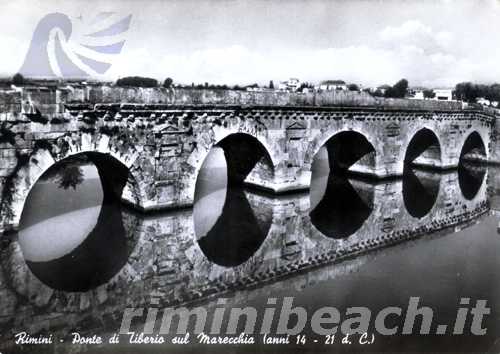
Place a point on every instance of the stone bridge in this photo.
(151, 154)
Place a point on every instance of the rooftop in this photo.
(333, 82)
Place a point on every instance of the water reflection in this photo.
(233, 226)
(103, 252)
(69, 173)
(344, 208)
(420, 191)
(340, 205)
(470, 178)
(71, 236)
(238, 232)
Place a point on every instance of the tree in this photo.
(353, 87)
(70, 176)
(18, 79)
(493, 93)
(168, 82)
(398, 90)
(469, 92)
(271, 85)
(429, 93)
(136, 81)
(67, 174)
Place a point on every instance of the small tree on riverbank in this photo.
(168, 82)
(18, 79)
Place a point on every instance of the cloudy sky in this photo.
(429, 42)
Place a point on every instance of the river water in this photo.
(78, 261)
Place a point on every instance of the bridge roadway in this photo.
(152, 153)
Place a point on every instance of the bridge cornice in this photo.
(282, 112)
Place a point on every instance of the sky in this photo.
(434, 43)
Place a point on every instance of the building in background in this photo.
(443, 94)
(416, 93)
(291, 84)
(333, 85)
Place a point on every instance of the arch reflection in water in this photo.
(473, 148)
(420, 190)
(230, 223)
(345, 206)
(470, 178)
(470, 171)
(71, 232)
(339, 205)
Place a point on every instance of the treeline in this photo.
(139, 81)
(470, 92)
(398, 90)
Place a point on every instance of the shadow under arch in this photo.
(349, 151)
(473, 149)
(423, 149)
(81, 246)
(244, 154)
(420, 191)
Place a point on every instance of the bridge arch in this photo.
(424, 149)
(249, 158)
(116, 168)
(473, 147)
(339, 206)
(355, 152)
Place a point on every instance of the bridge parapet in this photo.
(50, 101)
(228, 97)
